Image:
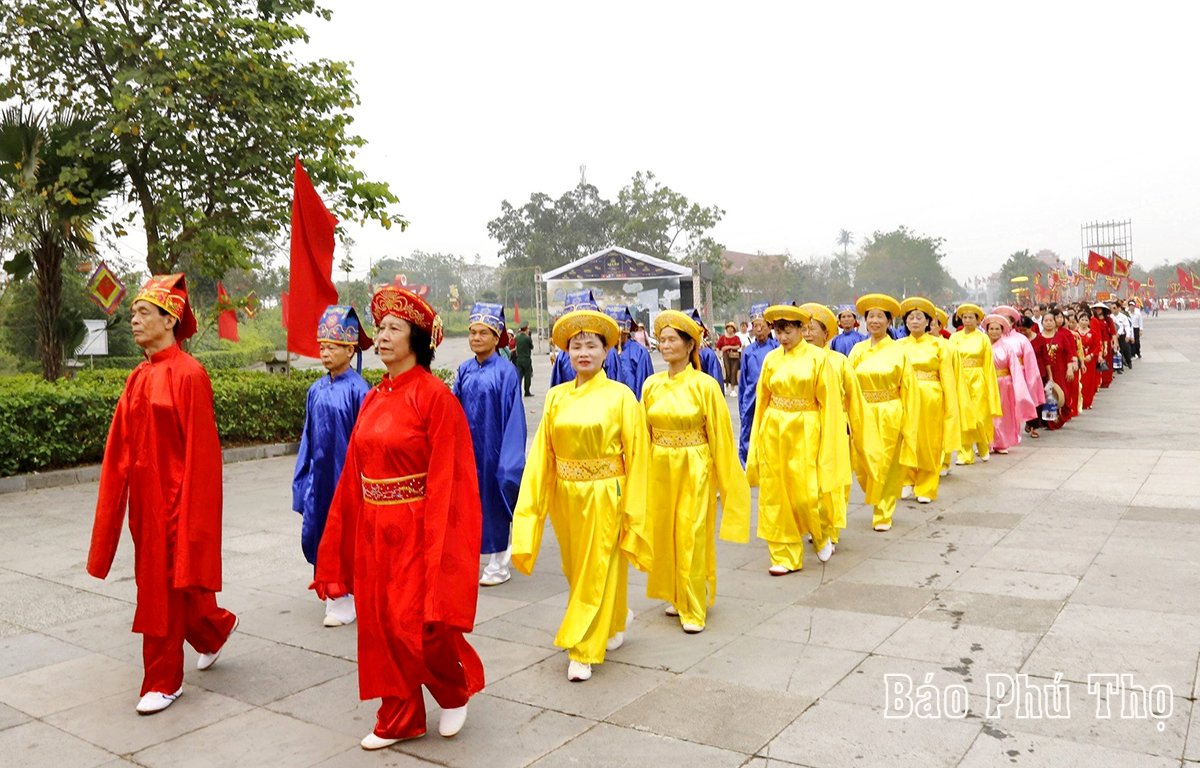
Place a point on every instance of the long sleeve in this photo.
(731, 480)
(909, 428)
(114, 492)
(762, 400)
(635, 525)
(198, 542)
(991, 386)
(512, 442)
(335, 557)
(536, 494)
(833, 466)
(303, 471)
(948, 373)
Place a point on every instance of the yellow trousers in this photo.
(887, 496)
(924, 483)
(972, 441)
(789, 555)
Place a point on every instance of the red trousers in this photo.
(192, 615)
(453, 672)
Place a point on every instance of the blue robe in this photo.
(330, 411)
(845, 341)
(636, 366)
(490, 394)
(752, 361)
(562, 371)
(711, 364)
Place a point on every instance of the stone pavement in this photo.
(1072, 556)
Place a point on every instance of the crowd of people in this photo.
(403, 489)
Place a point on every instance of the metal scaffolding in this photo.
(1107, 238)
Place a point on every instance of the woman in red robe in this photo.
(403, 532)
(1092, 349)
(1058, 360)
(1103, 326)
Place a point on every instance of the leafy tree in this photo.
(902, 263)
(1020, 263)
(207, 103)
(53, 195)
(845, 239)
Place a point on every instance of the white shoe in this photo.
(906, 492)
(779, 570)
(492, 578)
(371, 742)
(671, 610)
(206, 660)
(340, 611)
(452, 721)
(883, 527)
(615, 642)
(826, 551)
(924, 500)
(1002, 451)
(577, 672)
(155, 702)
(693, 629)
(985, 457)
(960, 463)
(944, 472)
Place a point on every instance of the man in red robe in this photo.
(163, 460)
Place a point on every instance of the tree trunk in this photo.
(48, 259)
(158, 261)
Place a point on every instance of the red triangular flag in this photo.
(516, 313)
(227, 316)
(310, 289)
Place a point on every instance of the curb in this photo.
(90, 473)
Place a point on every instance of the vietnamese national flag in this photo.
(310, 287)
(1120, 266)
(1099, 264)
(1185, 280)
(227, 316)
(516, 313)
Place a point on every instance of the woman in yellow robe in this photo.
(932, 362)
(799, 427)
(882, 431)
(587, 470)
(819, 332)
(939, 328)
(978, 388)
(693, 455)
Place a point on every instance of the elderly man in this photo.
(163, 460)
(849, 335)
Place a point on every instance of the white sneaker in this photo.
(452, 721)
(986, 457)
(372, 742)
(883, 527)
(671, 610)
(960, 463)
(693, 629)
(906, 492)
(826, 551)
(206, 660)
(945, 472)
(340, 611)
(924, 500)
(492, 578)
(615, 642)
(577, 672)
(155, 702)
(779, 570)
(1002, 451)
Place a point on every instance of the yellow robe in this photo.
(833, 506)
(599, 523)
(799, 427)
(978, 392)
(933, 366)
(693, 455)
(883, 435)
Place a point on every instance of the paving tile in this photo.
(1022, 584)
(714, 712)
(333, 704)
(30, 650)
(1019, 558)
(1000, 611)
(238, 740)
(37, 745)
(870, 598)
(1005, 749)
(10, 717)
(900, 573)
(775, 665)
(83, 680)
(988, 649)
(609, 746)
(844, 629)
(545, 685)
(268, 674)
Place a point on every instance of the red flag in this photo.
(1185, 279)
(1120, 266)
(310, 289)
(227, 316)
(1099, 264)
(516, 313)
(1134, 285)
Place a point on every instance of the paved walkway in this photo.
(1073, 556)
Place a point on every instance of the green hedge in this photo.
(51, 425)
(211, 359)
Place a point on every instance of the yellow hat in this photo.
(823, 315)
(916, 302)
(942, 318)
(877, 301)
(968, 307)
(672, 318)
(585, 321)
(786, 312)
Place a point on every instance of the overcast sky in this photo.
(996, 126)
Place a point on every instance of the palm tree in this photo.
(845, 239)
(53, 191)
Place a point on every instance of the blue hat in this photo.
(758, 310)
(580, 300)
(490, 315)
(340, 325)
(694, 313)
(620, 313)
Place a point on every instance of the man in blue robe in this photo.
(849, 336)
(489, 389)
(330, 411)
(562, 371)
(709, 362)
(636, 365)
(752, 360)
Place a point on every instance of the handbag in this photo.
(1102, 365)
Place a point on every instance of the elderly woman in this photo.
(729, 347)
(978, 393)
(403, 532)
(587, 471)
(932, 362)
(1015, 405)
(693, 456)
(883, 427)
(798, 451)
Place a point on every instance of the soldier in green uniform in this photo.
(523, 357)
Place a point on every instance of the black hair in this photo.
(421, 343)
(781, 324)
(1027, 322)
(928, 319)
(686, 337)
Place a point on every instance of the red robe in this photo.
(1091, 376)
(1074, 389)
(1053, 355)
(412, 566)
(163, 458)
(1105, 331)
